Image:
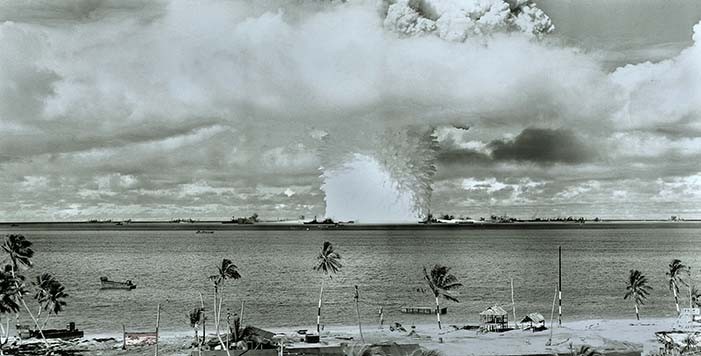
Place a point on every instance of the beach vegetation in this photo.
(585, 350)
(196, 320)
(328, 262)
(50, 294)
(442, 284)
(362, 350)
(10, 290)
(637, 290)
(225, 271)
(246, 220)
(695, 297)
(677, 270)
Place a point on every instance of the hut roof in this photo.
(533, 317)
(495, 310)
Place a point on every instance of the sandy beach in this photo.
(615, 335)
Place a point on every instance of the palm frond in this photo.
(637, 287)
(426, 352)
(328, 260)
(363, 350)
(19, 249)
(440, 281)
(228, 270)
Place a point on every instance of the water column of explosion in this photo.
(384, 177)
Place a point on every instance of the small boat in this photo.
(204, 232)
(422, 310)
(70, 332)
(105, 283)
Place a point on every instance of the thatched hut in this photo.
(494, 319)
(535, 321)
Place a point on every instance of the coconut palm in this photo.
(441, 283)
(637, 289)
(226, 270)
(674, 276)
(327, 262)
(19, 250)
(9, 301)
(50, 295)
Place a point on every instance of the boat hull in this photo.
(422, 310)
(105, 284)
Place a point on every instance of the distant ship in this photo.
(105, 283)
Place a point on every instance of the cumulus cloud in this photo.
(460, 20)
(233, 94)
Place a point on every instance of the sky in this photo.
(365, 110)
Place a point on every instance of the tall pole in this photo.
(357, 311)
(513, 304)
(204, 324)
(559, 285)
(158, 322)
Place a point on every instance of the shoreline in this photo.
(282, 226)
(605, 335)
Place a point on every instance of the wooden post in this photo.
(382, 317)
(513, 304)
(559, 285)
(357, 311)
(158, 321)
(124, 337)
(204, 321)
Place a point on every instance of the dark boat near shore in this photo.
(68, 333)
(422, 310)
(105, 283)
(204, 232)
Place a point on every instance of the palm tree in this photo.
(674, 276)
(50, 295)
(9, 301)
(637, 289)
(441, 283)
(19, 249)
(226, 270)
(328, 261)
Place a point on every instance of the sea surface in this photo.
(279, 287)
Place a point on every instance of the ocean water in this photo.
(280, 288)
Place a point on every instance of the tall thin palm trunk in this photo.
(21, 298)
(318, 311)
(676, 297)
(438, 313)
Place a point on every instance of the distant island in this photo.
(252, 223)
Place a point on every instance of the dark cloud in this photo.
(544, 146)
